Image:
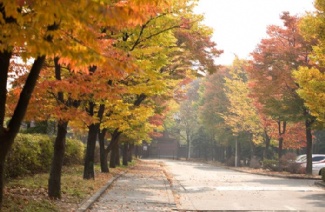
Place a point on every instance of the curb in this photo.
(320, 183)
(86, 204)
(305, 177)
(169, 187)
(277, 175)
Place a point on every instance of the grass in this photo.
(30, 192)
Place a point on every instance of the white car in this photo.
(318, 162)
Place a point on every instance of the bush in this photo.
(288, 164)
(46, 154)
(74, 152)
(32, 153)
(230, 161)
(287, 159)
(25, 156)
(254, 163)
(270, 164)
(295, 168)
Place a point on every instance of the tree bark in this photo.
(280, 151)
(281, 131)
(4, 69)
(309, 150)
(125, 154)
(130, 151)
(266, 153)
(115, 138)
(54, 184)
(112, 161)
(102, 153)
(5, 142)
(89, 172)
(117, 155)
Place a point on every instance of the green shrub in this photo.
(74, 152)
(46, 154)
(254, 163)
(272, 165)
(32, 153)
(24, 156)
(230, 161)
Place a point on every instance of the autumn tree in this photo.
(60, 31)
(241, 115)
(30, 32)
(161, 64)
(213, 103)
(273, 85)
(188, 115)
(311, 79)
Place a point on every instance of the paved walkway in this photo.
(143, 188)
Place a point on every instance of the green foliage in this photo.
(20, 204)
(241, 115)
(254, 163)
(74, 152)
(24, 157)
(40, 127)
(32, 153)
(270, 164)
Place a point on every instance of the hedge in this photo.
(32, 153)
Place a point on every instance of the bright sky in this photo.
(239, 25)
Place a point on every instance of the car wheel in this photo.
(322, 173)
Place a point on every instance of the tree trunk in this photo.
(89, 172)
(266, 153)
(125, 154)
(102, 153)
(280, 152)
(281, 131)
(54, 184)
(6, 143)
(188, 146)
(130, 151)
(114, 141)
(7, 135)
(309, 150)
(112, 161)
(136, 151)
(117, 155)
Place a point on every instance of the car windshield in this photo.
(301, 158)
(318, 158)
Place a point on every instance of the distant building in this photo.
(165, 147)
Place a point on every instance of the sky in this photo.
(239, 25)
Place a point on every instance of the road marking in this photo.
(290, 208)
(252, 188)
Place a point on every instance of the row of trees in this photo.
(274, 99)
(104, 68)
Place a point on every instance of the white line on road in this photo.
(252, 188)
(290, 208)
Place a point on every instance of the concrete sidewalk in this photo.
(143, 188)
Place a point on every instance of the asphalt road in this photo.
(200, 186)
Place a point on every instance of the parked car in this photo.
(318, 161)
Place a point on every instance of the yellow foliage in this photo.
(312, 89)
